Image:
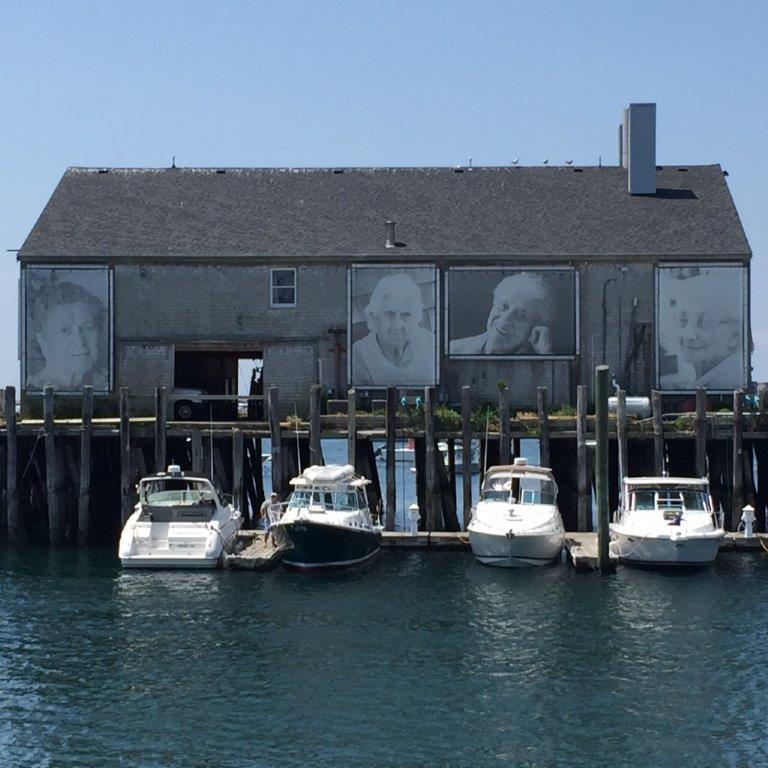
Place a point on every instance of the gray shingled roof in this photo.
(316, 213)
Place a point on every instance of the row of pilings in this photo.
(73, 480)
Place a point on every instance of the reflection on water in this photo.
(420, 659)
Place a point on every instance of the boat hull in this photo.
(516, 551)
(313, 546)
(665, 552)
(161, 561)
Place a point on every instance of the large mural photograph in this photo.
(701, 327)
(392, 326)
(512, 312)
(67, 328)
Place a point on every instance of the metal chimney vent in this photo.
(641, 149)
(390, 235)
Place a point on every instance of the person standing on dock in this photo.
(271, 512)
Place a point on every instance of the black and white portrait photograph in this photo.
(392, 326)
(701, 327)
(67, 328)
(511, 313)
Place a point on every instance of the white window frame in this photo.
(282, 305)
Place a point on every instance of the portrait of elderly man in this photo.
(518, 322)
(701, 324)
(66, 322)
(396, 350)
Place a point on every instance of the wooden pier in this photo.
(72, 480)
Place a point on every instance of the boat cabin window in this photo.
(346, 499)
(537, 490)
(167, 492)
(671, 499)
(496, 488)
(300, 498)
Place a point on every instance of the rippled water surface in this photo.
(425, 658)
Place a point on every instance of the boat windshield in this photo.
(525, 489)
(652, 499)
(171, 492)
(341, 499)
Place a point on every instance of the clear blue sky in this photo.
(373, 83)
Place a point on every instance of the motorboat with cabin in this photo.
(667, 522)
(516, 522)
(327, 523)
(178, 522)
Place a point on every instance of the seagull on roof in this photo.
(516, 161)
(569, 162)
(546, 161)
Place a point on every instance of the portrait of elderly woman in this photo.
(396, 349)
(515, 314)
(701, 328)
(66, 330)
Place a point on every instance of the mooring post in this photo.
(55, 527)
(315, 453)
(389, 522)
(84, 499)
(621, 437)
(582, 460)
(238, 497)
(505, 444)
(466, 452)
(601, 466)
(197, 451)
(541, 406)
(658, 433)
(125, 456)
(452, 468)
(430, 473)
(161, 426)
(273, 410)
(737, 496)
(351, 427)
(11, 457)
(701, 431)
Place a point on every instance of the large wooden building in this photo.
(369, 277)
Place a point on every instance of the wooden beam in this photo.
(351, 428)
(658, 433)
(238, 497)
(84, 527)
(430, 471)
(197, 451)
(389, 523)
(161, 425)
(504, 431)
(11, 476)
(315, 452)
(55, 527)
(582, 460)
(126, 497)
(621, 437)
(273, 414)
(737, 496)
(466, 447)
(541, 406)
(701, 431)
(601, 466)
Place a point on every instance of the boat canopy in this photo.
(332, 474)
(665, 482)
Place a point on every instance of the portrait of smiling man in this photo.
(66, 334)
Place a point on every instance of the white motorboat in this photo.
(666, 521)
(178, 522)
(327, 523)
(516, 522)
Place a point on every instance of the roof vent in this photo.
(683, 170)
(641, 148)
(220, 170)
(337, 171)
(578, 170)
(458, 169)
(103, 170)
(390, 235)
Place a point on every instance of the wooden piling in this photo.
(125, 457)
(658, 433)
(351, 427)
(601, 466)
(582, 459)
(315, 452)
(505, 445)
(701, 431)
(11, 477)
(541, 406)
(84, 532)
(466, 448)
(197, 451)
(55, 527)
(161, 425)
(238, 497)
(451, 443)
(737, 493)
(430, 474)
(273, 414)
(621, 437)
(389, 522)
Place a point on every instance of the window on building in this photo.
(282, 288)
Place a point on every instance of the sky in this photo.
(374, 83)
